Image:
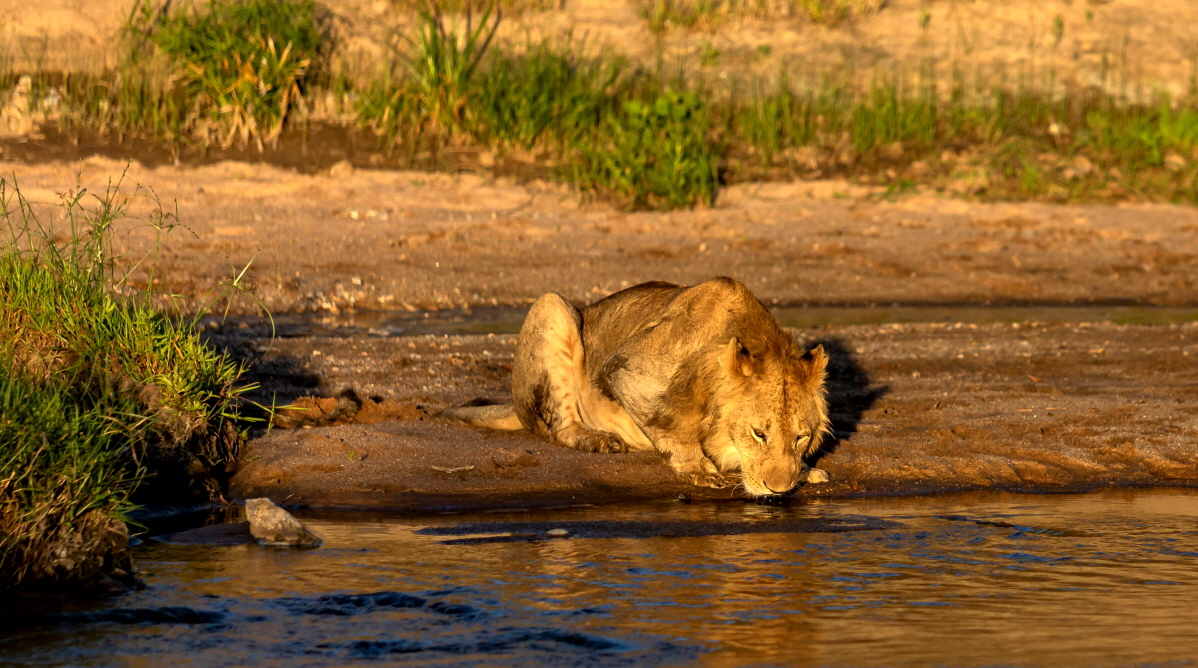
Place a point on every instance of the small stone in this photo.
(815, 476)
(557, 533)
(342, 169)
(1082, 165)
(272, 525)
(504, 459)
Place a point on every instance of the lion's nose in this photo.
(780, 477)
(779, 484)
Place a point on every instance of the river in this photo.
(1106, 578)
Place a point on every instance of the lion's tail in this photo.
(501, 417)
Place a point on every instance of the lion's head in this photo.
(770, 414)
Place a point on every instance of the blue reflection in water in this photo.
(977, 579)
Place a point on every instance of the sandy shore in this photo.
(916, 408)
(396, 240)
(919, 407)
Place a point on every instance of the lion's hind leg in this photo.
(548, 377)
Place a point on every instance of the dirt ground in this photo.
(916, 408)
(406, 240)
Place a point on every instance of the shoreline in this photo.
(916, 409)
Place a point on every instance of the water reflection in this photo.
(1099, 579)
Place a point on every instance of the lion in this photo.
(703, 375)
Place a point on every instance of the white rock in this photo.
(272, 525)
(557, 533)
(815, 476)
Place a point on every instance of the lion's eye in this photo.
(759, 435)
(802, 438)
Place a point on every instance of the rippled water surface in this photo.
(980, 579)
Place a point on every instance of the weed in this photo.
(242, 64)
(98, 393)
(654, 153)
(551, 91)
(443, 61)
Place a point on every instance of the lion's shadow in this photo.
(851, 393)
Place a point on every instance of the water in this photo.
(957, 580)
(507, 320)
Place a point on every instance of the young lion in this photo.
(704, 375)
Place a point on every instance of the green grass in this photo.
(710, 15)
(653, 153)
(241, 65)
(102, 396)
(550, 94)
(1027, 143)
(560, 109)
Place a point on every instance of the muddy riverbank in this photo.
(351, 238)
(1063, 405)
(916, 408)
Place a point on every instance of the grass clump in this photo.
(551, 93)
(242, 65)
(837, 11)
(710, 15)
(653, 154)
(442, 63)
(426, 90)
(463, 6)
(606, 126)
(99, 394)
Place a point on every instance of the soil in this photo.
(918, 407)
(357, 238)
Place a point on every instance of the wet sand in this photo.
(916, 408)
(414, 240)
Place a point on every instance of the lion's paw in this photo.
(705, 479)
(814, 476)
(602, 442)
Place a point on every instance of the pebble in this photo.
(557, 533)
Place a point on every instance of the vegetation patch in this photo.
(1027, 144)
(104, 399)
(654, 154)
(240, 65)
(243, 70)
(710, 15)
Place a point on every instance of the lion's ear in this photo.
(737, 358)
(816, 362)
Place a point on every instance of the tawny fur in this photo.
(704, 375)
